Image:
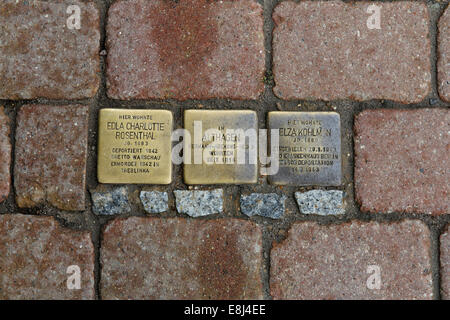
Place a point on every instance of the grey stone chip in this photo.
(111, 202)
(198, 203)
(268, 205)
(154, 201)
(321, 202)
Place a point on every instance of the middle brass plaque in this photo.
(220, 165)
(134, 146)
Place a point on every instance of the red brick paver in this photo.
(445, 264)
(41, 57)
(5, 156)
(325, 50)
(402, 162)
(342, 262)
(444, 56)
(181, 259)
(50, 162)
(35, 255)
(195, 49)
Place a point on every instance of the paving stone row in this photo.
(178, 258)
(200, 203)
(400, 165)
(201, 49)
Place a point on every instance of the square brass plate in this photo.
(134, 146)
(309, 146)
(223, 167)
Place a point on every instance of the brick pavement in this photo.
(337, 262)
(51, 149)
(344, 58)
(36, 256)
(381, 234)
(401, 160)
(181, 259)
(41, 57)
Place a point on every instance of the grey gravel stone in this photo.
(433, 101)
(321, 202)
(268, 205)
(198, 203)
(154, 201)
(110, 202)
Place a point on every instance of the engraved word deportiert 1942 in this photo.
(134, 146)
(309, 148)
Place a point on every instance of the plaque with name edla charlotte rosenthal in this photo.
(134, 146)
(309, 148)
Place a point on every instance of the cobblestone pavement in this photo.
(382, 233)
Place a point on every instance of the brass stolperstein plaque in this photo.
(134, 146)
(309, 148)
(219, 165)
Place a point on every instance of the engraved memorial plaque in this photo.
(309, 148)
(218, 144)
(134, 146)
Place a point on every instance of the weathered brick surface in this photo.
(444, 56)
(401, 160)
(195, 49)
(5, 156)
(35, 255)
(41, 57)
(181, 259)
(50, 161)
(331, 262)
(324, 50)
(445, 264)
